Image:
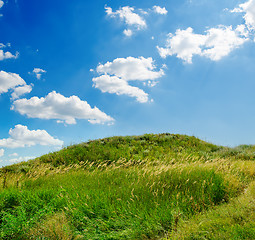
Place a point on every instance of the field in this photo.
(161, 186)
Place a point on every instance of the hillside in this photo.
(161, 186)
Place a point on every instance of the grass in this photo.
(235, 220)
(142, 187)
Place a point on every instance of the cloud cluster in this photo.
(133, 19)
(61, 108)
(129, 17)
(249, 9)
(21, 136)
(215, 44)
(12, 81)
(38, 72)
(115, 76)
(53, 106)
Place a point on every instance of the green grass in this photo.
(141, 187)
(235, 220)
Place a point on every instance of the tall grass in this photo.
(117, 203)
(142, 187)
(235, 220)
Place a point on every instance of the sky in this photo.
(73, 71)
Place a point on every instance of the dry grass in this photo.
(54, 227)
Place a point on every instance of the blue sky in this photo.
(71, 71)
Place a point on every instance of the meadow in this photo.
(155, 186)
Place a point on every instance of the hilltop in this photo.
(155, 186)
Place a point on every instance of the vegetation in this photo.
(143, 187)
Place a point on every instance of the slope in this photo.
(137, 187)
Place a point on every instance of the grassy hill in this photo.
(140, 187)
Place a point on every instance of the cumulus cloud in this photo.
(9, 81)
(248, 8)
(12, 81)
(221, 41)
(58, 107)
(133, 18)
(242, 30)
(128, 32)
(131, 68)
(129, 17)
(215, 44)
(1, 152)
(19, 91)
(160, 10)
(115, 76)
(21, 136)
(7, 55)
(113, 84)
(38, 72)
(1, 3)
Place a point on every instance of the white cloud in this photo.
(15, 82)
(133, 18)
(131, 68)
(128, 32)
(221, 41)
(127, 15)
(242, 30)
(184, 44)
(113, 84)
(19, 91)
(3, 45)
(21, 136)
(20, 159)
(249, 9)
(7, 55)
(38, 72)
(59, 107)
(215, 44)
(13, 155)
(160, 10)
(1, 152)
(152, 83)
(116, 74)
(9, 81)
(1, 3)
